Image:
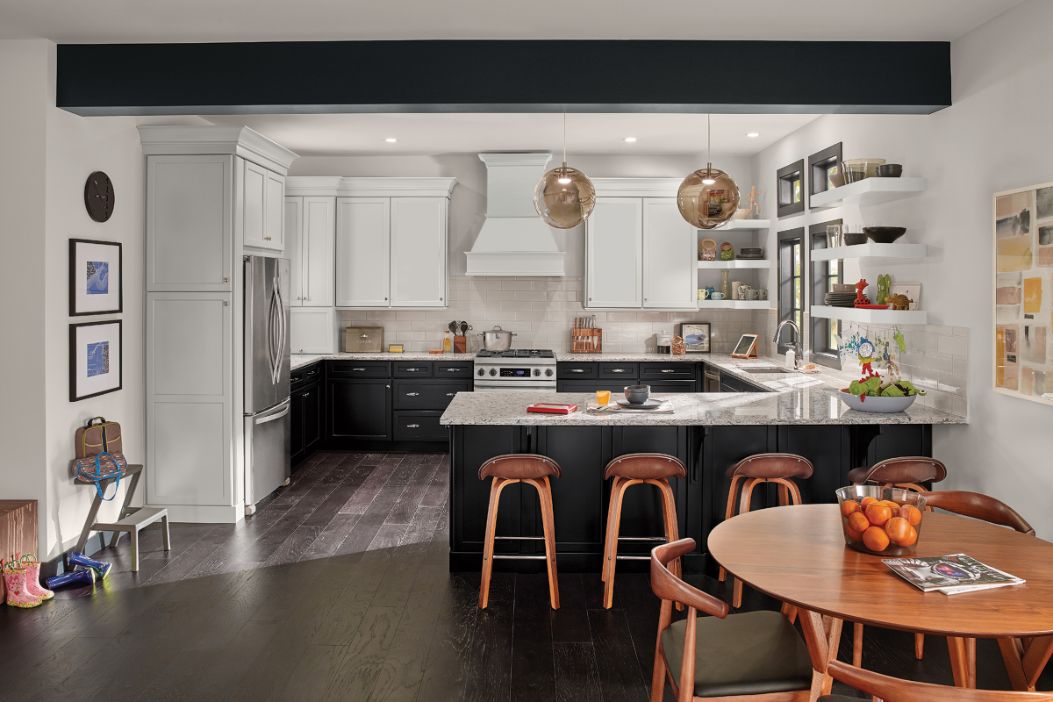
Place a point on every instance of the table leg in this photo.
(822, 636)
(958, 651)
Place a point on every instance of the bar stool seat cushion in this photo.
(743, 654)
(519, 466)
(856, 476)
(906, 469)
(772, 465)
(645, 466)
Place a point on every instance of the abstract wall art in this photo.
(94, 359)
(95, 277)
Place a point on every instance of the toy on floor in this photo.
(22, 582)
(101, 568)
(72, 577)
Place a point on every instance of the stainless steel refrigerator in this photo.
(267, 419)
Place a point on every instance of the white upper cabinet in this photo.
(310, 237)
(613, 251)
(294, 240)
(264, 199)
(669, 268)
(418, 252)
(363, 251)
(189, 222)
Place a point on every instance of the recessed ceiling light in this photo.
(391, 140)
(753, 135)
(630, 140)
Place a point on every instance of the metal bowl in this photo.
(896, 537)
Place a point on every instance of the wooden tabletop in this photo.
(797, 554)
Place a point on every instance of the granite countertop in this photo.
(817, 404)
(299, 360)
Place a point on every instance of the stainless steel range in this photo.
(516, 369)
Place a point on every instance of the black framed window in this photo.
(792, 265)
(825, 274)
(821, 166)
(790, 188)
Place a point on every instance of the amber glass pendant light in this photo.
(708, 197)
(564, 197)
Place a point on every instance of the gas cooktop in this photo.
(517, 353)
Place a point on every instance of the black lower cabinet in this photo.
(306, 412)
(359, 409)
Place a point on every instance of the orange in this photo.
(878, 513)
(875, 539)
(910, 539)
(897, 529)
(849, 506)
(867, 501)
(911, 513)
(858, 522)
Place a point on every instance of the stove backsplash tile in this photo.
(541, 311)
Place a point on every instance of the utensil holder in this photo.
(586, 340)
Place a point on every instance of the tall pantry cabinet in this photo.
(213, 195)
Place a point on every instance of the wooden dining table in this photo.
(797, 554)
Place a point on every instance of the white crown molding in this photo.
(526, 158)
(312, 186)
(636, 187)
(239, 141)
(395, 187)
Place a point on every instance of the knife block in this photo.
(584, 340)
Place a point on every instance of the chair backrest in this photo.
(906, 469)
(978, 506)
(774, 465)
(646, 466)
(669, 588)
(896, 690)
(519, 466)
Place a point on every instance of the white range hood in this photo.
(514, 240)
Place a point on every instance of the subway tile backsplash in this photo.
(541, 312)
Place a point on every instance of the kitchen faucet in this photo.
(798, 350)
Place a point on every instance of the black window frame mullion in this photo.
(819, 328)
(785, 304)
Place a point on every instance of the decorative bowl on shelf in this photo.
(890, 170)
(870, 403)
(856, 169)
(883, 521)
(884, 235)
(854, 238)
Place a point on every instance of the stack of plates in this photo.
(751, 253)
(840, 299)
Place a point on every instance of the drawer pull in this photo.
(306, 394)
(413, 426)
(413, 370)
(450, 394)
(314, 372)
(412, 394)
(617, 370)
(577, 370)
(668, 370)
(358, 370)
(452, 370)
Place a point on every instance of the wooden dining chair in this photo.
(897, 690)
(907, 473)
(752, 655)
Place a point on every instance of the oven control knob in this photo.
(548, 372)
(482, 372)
(493, 371)
(537, 371)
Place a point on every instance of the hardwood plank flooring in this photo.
(337, 588)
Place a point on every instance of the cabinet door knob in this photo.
(226, 279)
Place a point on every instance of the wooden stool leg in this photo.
(729, 512)
(612, 551)
(919, 646)
(544, 490)
(609, 525)
(744, 507)
(784, 496)
(857, 645)
(496, 485)
(672, 529)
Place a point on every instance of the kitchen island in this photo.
(709, 432)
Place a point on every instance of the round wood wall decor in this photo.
(98, 196)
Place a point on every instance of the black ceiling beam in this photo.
(500, 76)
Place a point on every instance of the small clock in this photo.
(98, 196)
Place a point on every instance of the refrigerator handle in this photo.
(274, 417)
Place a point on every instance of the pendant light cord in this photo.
(564, 138)
(709, 143)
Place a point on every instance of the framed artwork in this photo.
(95, 277)
(94, 359)
(1023, 294)
(790, 189)
(696, 337)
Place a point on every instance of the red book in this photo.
(552, 408)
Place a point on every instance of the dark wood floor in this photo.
(338, 589)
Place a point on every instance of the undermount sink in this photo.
(768, 369)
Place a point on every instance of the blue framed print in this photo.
(94, 359)
(95, 277)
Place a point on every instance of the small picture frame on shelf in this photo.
(94, 359)
(95, 277)
(790, 189)
(696, 336)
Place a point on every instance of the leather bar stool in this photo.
(638, 469)
(777, 468)
(906, 473)
(535, 471)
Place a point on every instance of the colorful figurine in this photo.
(899, 301)
(866, 353)
(884, 285)
(861, 299)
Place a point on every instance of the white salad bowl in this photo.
(877, 404)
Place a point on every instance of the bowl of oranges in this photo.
(881, 520)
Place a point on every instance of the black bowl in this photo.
(853, 238)
(890, 170)
(884, 235)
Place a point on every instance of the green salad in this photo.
(875, 387)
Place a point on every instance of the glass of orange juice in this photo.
(603, 397)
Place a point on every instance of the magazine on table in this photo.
(952, 574)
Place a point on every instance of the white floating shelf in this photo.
(740, 224)
(876, 252)
(864, 316)
(869, 191)
(734, 304)
(736, 264)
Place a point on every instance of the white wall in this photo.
(994, 137)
